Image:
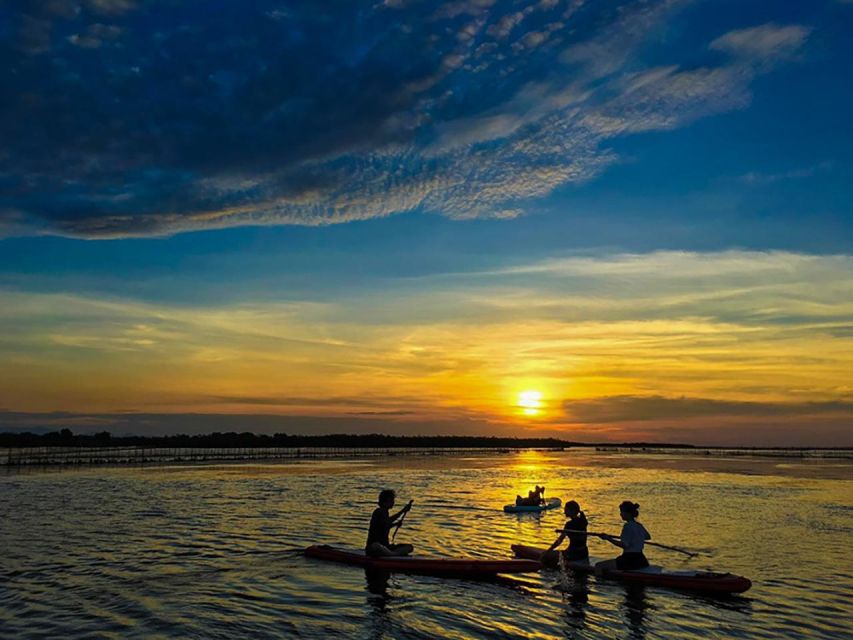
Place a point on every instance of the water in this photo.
(213, 552)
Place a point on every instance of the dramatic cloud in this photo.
(655, 346)
(154, 424)
(136, 118)
(645, 408)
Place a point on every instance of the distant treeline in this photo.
(66, 438)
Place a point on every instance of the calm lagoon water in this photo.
(213, 552)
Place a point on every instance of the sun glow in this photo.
(530, 402)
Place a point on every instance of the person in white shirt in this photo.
(632, 541)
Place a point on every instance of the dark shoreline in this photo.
(217, 440)
(64, 448)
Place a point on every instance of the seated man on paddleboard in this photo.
(632, 540)
(381, 523)
(574, 528)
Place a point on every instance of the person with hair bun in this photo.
(631, 541)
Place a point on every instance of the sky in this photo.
(601, 221)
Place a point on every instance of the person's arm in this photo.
(622, 540)
(614, 541)
(401, 512)
(646, 534)
(557, 542)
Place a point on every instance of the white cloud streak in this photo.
(733, 325)
(490, 162)
(547, 135)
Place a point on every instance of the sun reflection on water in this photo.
(194, 551)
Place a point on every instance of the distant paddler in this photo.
(575, 531)
(534, 498)
(381, 523)
(631, 541)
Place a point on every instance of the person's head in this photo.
(629, 510)
(572, 508)
(386, 498)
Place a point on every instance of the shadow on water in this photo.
(378, 600)
(575, 589)
(575, 593)
(726, 602)
(635, 606)
(634, 609)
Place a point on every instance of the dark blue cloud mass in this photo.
(134, 117)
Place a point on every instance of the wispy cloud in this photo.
(622, 409)
(110, 7)
(95, 36)
(766, 43)
(149, 424)
(467, 109)
(759, 177)
(699, 341)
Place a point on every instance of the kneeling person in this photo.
(381, 523)
(632, 541)
(575, 530)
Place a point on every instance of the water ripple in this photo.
(216, 552)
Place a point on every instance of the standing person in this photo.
(632, 540)
(577, 550)
(381, 523)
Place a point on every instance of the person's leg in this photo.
(577, 556)
(378, 550)
(631, 562)
(401, 549)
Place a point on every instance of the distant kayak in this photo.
(553, 503)
(456, 567)
(706, 581)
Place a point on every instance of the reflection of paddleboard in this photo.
(706, 581)
(457, 567)
(553, 503)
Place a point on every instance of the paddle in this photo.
(691, 554)
(400, 523)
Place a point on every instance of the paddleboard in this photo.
(552, 503)
(706, 581)
(460, 567)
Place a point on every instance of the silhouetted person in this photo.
(381, 523)
(632, 541)
(577, 550)
(534, 498)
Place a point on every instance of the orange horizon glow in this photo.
(534, 362)
(530, 402)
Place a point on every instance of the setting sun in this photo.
(530, 402)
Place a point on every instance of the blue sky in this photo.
(138, 119)
(209, 155)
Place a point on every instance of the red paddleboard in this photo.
(706, 581)
(459, 567)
